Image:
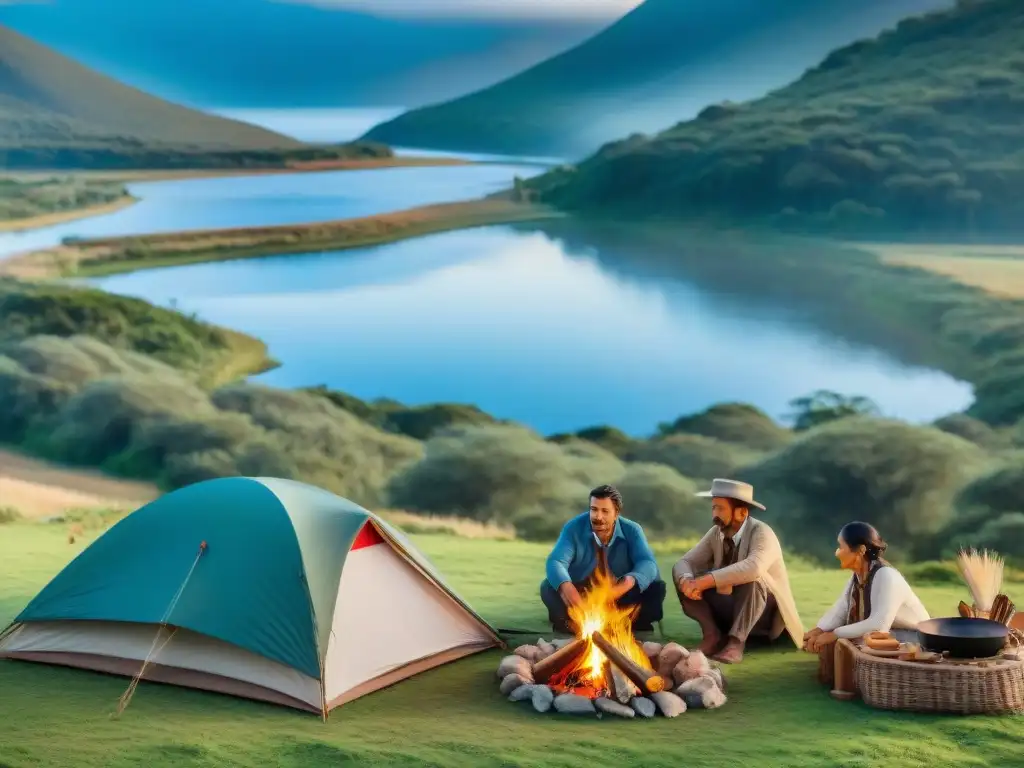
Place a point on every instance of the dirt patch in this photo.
(996, 269)
(38, 489)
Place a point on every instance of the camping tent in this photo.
(256, 587)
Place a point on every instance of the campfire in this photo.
(605, 670)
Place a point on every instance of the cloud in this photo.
(482, 9)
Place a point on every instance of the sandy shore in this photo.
(60, 217)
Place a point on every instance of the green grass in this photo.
(25, 199)
(777, 714)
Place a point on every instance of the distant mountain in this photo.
(52, 108)
(269, 53)
(919, 131)
(660, 63)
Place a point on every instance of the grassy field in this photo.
(89, 258)
(777, 714)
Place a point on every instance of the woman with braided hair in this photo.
(877, 598)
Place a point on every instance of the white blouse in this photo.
(893, 606)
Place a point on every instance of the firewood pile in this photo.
(551, 677)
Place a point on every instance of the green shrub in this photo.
(973, 430)
(736, 423)
(663, 501)
(491, 473)
(694, 456)
(125, 323)
(901, 478)
(9, 515)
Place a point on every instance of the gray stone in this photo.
(515, 665)
(528, 652)
(571, 704)
(670, 655)
(522, 693)
(561, 642)
(719, 675)
(543, 697)
(697, 685)
(668, 703)
(643, 707)
(610, 707)
(510, 682)
(651, 650)
(546, 649)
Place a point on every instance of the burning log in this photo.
(646, 680)
(559, 660)
(619, 686)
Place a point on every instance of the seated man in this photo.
(734, 582)
(593, 539)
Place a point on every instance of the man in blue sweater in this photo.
(594, 538)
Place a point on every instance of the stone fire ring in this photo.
(695, 683)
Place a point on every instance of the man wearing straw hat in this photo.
(734, 583)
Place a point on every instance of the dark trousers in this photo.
(650, 602)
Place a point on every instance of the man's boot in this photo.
(700, 611)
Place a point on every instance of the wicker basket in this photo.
(955, 688)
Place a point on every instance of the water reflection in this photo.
(531, 329)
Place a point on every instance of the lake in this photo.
(520, 323)
(531, 329)
(263, 200)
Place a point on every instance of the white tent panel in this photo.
(391, 621)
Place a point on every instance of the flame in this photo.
(598, 612)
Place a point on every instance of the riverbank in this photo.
(104, 256)
(53, 218)
(31, 180)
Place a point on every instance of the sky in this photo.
(516, 9)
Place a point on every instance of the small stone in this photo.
(561, 642)
(696, 685)
(610, 707)
(719, 677)
(522, 693)
(528, 652)
(643, 707)
(652, 649)
(668, 703)
(510, 682)
(713, 699)
(671, 654)
(701, 693)
(515, 664)
(545, 648)
(695, 665)
(542, 698)
(571, 704)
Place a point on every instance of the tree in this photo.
(824, 406)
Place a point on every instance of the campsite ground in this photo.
(777, 714)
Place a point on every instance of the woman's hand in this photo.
(822, 640)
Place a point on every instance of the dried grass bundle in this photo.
(983, 572)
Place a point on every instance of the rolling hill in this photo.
(920, 130)
(55, 112)
(243, 53)
(661, 62)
